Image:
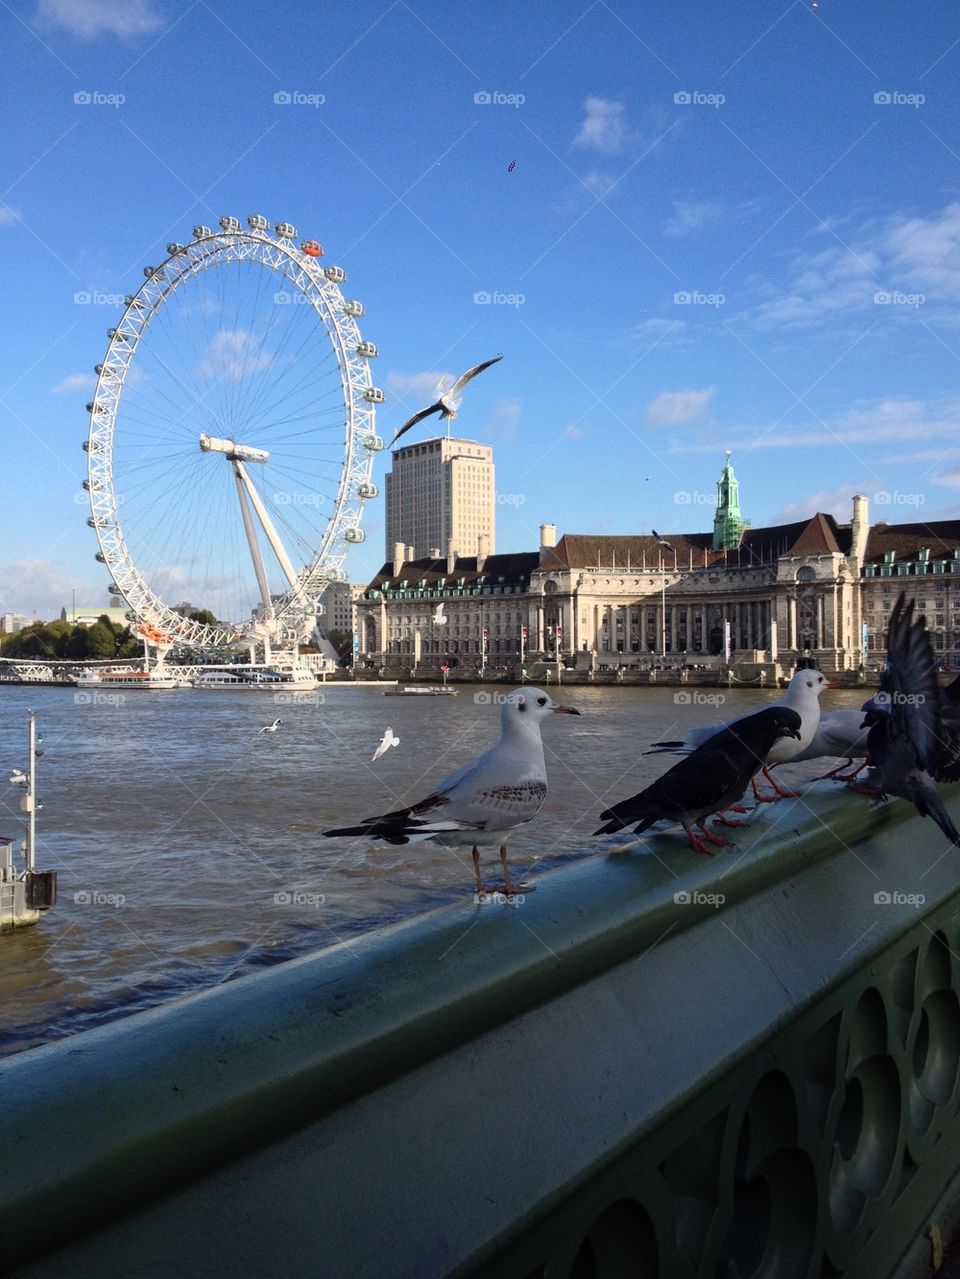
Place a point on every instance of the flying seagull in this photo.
(386, 741)
(270, 728)
(484, 800)
(909, 743)
(448, 402)
(438, 616)
(709, 780)
(802, 695)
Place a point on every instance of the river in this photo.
(189, 847)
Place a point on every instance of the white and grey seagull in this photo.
(386, 741)
(483, 801)
(18, 777)
(439, 619)
(447, 402)
(270, 728)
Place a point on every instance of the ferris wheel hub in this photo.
(235, 452)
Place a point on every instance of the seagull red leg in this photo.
(696, 843)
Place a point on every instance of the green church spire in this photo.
(728, 523)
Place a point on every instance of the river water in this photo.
(189, 846)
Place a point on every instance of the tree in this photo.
(101, 641)
(78, 645)
(203, 615)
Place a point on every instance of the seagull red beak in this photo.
(829, 685)
(565, 710)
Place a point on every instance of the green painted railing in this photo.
(662, 1066)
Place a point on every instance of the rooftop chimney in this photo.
(548, 539)
(398, 558)
(859, 528)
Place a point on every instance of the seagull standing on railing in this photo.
(483, 801)
(18, 777)
(447, 402)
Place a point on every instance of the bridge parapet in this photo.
(599, 1080)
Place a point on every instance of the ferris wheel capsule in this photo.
(286, 230)
(202, 232)
(312, 249)
(257, 223)
(230, 224)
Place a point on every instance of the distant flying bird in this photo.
(712, 778)
(511, 166)
(18, 777)
(270, 728)
(909, 743)
(484, 800)
(448, 402)
(438, 617)
(386, 741)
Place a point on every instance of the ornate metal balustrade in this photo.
(667, 1067)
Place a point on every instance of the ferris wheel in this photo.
(232, 437)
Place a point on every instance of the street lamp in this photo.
(661, 541)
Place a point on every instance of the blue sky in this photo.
(705, 226)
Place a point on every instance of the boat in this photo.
(422, 690)
(126, 678)
(286, 679)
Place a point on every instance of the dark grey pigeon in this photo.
(708, 780)
(909, 744)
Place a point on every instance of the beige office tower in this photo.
(441, 493)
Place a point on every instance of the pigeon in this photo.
(446, 403)
(438, 616)
(484, 800)
(270, 728)
(389, 739)
(909, 745)
(710, 779)
(18, 777)
(802, 695)
(841, 735)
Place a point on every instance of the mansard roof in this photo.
(939, 537)
(513, 568)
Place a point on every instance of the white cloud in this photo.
(837, 503)
(75, 382)
(604, 126)
(419, 386)
(675, 408)
(656, 330)
(233, 355)
(42, 587)
(599, 184)
(898, 257)
(91, 18)
(690, 216)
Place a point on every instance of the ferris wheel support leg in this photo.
(258, 566)
(273, 538)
